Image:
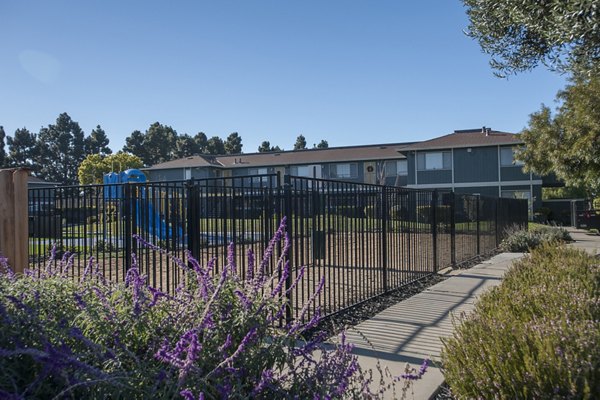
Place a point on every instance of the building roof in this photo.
(37, 181)
(293, 157)
(187, 162)
(467, 138)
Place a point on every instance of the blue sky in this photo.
(351, 72)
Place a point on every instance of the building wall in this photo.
(478, 165)
(513, 174)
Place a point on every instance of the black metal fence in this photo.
(363, 239)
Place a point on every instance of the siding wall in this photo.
(513, 174)
(479, 165)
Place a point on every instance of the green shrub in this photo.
(535, 336)
(519, 240)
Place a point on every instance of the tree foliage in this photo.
(266, 147)
(94, 166)
(233, 144)
(22, 148)
(215, 146)
(97, 142)
(563, 35)
(158, 144)
(567, 143)
(300, 143)
(60, 150)
(323, 144)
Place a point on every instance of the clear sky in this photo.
(349, 71)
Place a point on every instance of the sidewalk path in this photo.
(410, 331)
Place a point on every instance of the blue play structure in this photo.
(147, 217)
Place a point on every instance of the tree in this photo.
(323, 144)
(215, 146)
(266, 147)
(233, 144)
(158, 144)
(201, 142)
(97, 142)
(186, 146)
(567, 143)
(563, 35)
(134, 144)
(94, 166)
(60, 150)
(3, 157)
(300, 143)
(22, 149)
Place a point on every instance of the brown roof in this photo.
(294, 157)
(467, 138)
(192, 161)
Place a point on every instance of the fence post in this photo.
(287, 212)
(384, 260)
(192, 228)
(127, 222)
(434, 200)
(478, 227)
(453, 229)
(14, 218)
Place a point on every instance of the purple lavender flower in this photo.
(231, 258)
(251, 261)
(419, 374)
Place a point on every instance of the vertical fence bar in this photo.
(127, 228)
(384, 258)
(478, 227)
(287, 212)
(452, 229)
(434, 233)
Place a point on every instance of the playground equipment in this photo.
(148, 217)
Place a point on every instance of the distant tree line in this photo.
(61, 152)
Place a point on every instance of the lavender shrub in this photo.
(218, 336)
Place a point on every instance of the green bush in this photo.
(519, 240)
(535, 336)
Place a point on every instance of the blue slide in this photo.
(153, 223)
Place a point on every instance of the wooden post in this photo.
(14, 217)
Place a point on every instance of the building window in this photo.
(306, 171)
(507, 157)
(434, 160)
(393, 168)
(344, 171)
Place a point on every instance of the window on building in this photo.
(393, 168)
(344, 170)
(507, 157)
(434, 160)
(307, 171)
(402, 167)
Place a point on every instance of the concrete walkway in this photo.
(410, 331)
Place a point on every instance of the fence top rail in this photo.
(273, 177)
